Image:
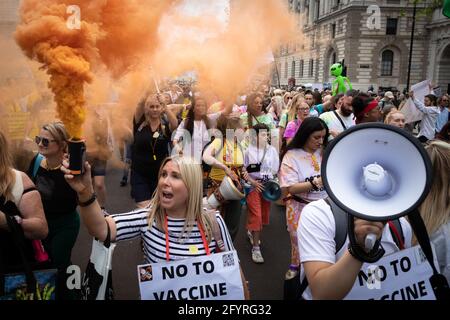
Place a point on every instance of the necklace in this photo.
(315, 163)
(45, 163)
(155, 137)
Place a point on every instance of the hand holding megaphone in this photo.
(365, 230)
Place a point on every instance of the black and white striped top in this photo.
(134, 224)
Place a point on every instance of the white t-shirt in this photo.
(333, 122)
(296, 167)
(428, 123)
(270, 165)
(316, 232)
(193, 147)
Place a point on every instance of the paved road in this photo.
(266, 280)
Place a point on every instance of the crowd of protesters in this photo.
(178, 149)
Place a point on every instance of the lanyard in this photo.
(155, 140)
(205, 244)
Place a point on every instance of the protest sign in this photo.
(403, 275)
(212, 277)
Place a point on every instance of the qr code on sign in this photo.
(228, 260)
(420, 256)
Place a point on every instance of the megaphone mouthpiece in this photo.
(377, 181)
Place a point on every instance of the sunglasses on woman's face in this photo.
(45, 141)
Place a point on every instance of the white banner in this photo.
(213, 277)
(410, 111)
(421, 89)
(404, 275)
(412, 114)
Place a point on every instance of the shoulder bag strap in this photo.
(340, 120)
(37, 164)
(220, 246)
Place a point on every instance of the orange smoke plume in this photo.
(110, 36)
(225, 61)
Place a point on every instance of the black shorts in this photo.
(142, 188)
(98, 167)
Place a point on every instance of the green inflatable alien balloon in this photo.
(340, 84)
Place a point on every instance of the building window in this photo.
(300, 71)
(311, 67)
(387, 63)
(333, 31)
(391, 27)
(293, 69)
(317, 10)
(332, 58)
(286, 70)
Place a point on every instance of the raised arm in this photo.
(139, 110)
(421, 107)
(317, 251)
(173, 121)
(90, 210)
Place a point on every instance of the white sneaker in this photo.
(257, 256)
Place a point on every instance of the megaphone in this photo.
(226, 191)
(272, 190)
(379, 172)
(376, 172)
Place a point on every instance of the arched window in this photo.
(333, 58)
(293, 69)
(387, 63)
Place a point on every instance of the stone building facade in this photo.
(372, 37)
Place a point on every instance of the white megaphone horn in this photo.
(376, 172)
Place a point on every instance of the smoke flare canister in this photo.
(77, 156)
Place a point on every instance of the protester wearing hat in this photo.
(387, 103)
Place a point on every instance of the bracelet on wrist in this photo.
(88, 202)
(314, 187)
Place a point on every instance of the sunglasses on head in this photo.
(45, 141)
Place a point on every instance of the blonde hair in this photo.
(435, 210)
(391, 114)
(192, 176)
(59, 133)
(7, 176)
(296, 101)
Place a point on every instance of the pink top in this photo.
(291, 129)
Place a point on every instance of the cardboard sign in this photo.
(213, 277)
(16, 123)
(404, 275)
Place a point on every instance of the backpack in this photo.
(340, 236)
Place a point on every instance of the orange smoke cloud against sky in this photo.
(115, 35)
(122, 39)
(227, 52)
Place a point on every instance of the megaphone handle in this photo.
(370, 240)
